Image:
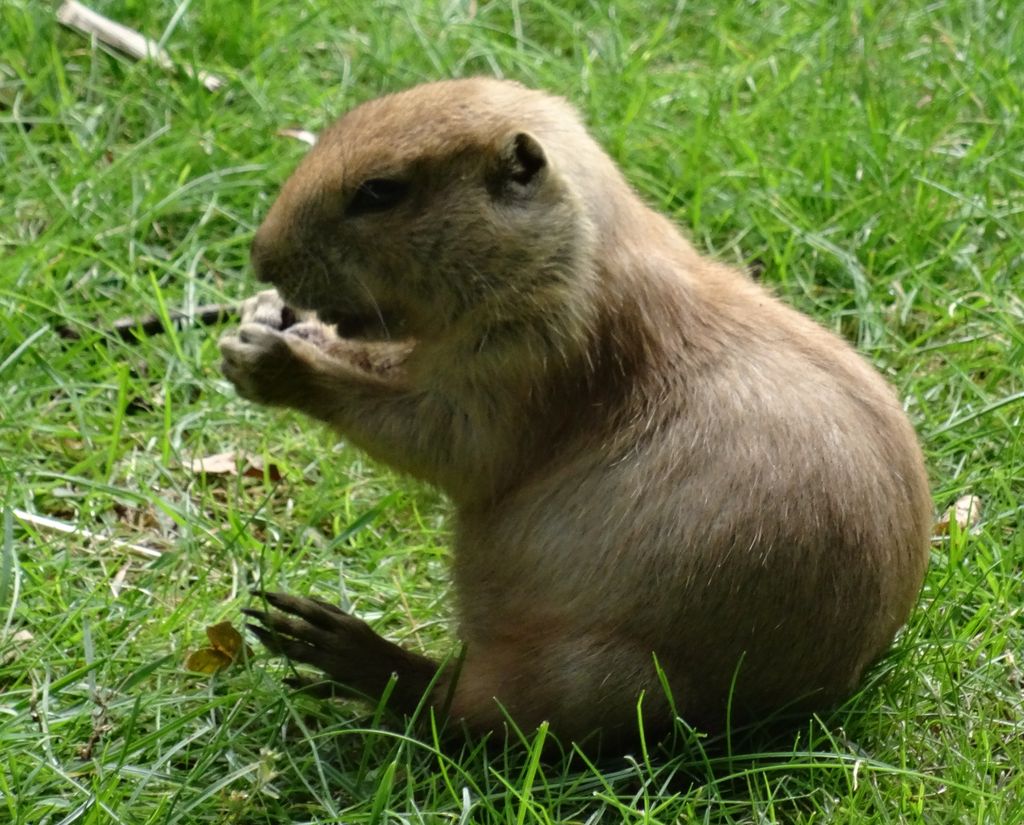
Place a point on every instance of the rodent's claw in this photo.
(296, 650)
(313, 632)
(310, 608)
(282, 628)
(312, 615)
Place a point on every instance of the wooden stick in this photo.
(47, 523)
(133, 330)
(83, 19)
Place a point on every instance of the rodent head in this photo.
(432, 210)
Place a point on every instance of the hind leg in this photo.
(583, 684)
(580, 683)
(344, 647)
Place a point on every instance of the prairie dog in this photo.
(647, 453)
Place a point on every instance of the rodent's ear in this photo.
(522, 165)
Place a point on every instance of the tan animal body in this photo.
(648, 454)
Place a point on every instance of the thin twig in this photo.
(133, 330)
(47, 523)
(81, 18)
(301, 135)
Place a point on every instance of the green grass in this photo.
(867, 156)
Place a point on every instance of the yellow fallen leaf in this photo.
(226, 647)
(207, 660)
(225, 638)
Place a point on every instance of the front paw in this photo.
(269, 309)
(265, 365)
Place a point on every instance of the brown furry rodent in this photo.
(649, 455)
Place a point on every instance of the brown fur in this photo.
(648, 453)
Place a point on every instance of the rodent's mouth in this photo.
(351, 321)
(364, 325)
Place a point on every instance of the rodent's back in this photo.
(762, 505)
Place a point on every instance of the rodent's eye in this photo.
(377, 195)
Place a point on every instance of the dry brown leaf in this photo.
(226, 647)
(231, 463)
(254, 468)
(966, 513)
(218, 464)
